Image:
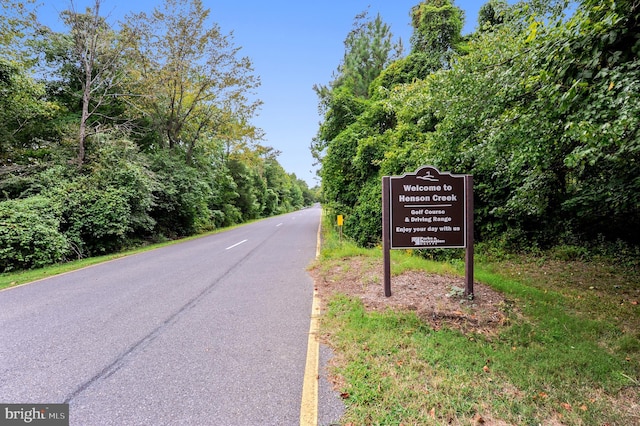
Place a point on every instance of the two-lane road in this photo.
(208, 332)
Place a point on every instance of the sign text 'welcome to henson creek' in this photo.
(427, 210)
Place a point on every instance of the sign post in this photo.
(386, 237)
(428, 209)
(468, 255)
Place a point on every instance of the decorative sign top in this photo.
(427, 210)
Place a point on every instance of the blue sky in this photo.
(293, 45)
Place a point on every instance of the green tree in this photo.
(23, 109)
(250, 188)
(492, 14)
(89, 65)
(308, 195)
(185, 201)
(369, 48)
(18, 26)
(415, 66)
(187, 75)
(23, 103)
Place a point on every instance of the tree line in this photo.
(541, 104)
(112, 137)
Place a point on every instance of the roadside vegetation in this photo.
(540, 104)
(121, 136)
(116, 135)
(565, 351)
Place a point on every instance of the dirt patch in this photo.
(438, 300)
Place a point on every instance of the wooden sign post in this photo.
(427, 209)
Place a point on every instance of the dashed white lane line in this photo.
(236, 244)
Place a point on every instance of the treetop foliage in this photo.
(437, 27)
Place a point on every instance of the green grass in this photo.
(564, 357)
(12, 279)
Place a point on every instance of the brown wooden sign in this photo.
(428, 210)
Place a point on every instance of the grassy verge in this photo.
(569, 354)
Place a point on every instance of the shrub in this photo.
(364, 224)
(29, 234)
(95, 220)
(106, 203)
(118, 164)
(182, 199)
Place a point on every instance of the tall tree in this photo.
(369, 48)
(189, 75)
(22, 100)
(97, 56)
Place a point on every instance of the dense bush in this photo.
(107, 202)
(117, 164)
(29, 234)
(96, 221)
(364, 223)
(181, 198)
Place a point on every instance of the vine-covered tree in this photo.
(492, 14)
(437, 27)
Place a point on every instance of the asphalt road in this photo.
(208, 332)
